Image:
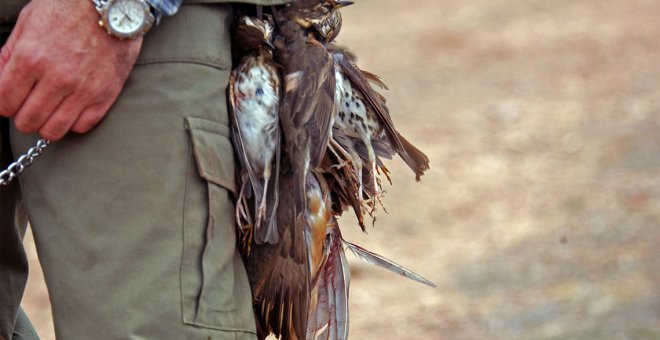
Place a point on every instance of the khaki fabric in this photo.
(13, 262)
(133, 221)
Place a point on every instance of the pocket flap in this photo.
(213, 151)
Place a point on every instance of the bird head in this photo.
(324, 17)
(253, 33)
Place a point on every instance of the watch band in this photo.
(99, 4)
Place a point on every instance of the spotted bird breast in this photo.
(257, 90)
(354, 118)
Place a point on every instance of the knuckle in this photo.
(5, 53)
(63, 80)
(27, 61)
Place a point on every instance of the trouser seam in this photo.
(220, 66)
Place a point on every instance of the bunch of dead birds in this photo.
(310, 131)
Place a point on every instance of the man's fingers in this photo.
(61, 121)
(43, 100)
(90, 117)
(14, 88)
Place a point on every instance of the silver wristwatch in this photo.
(125, 19)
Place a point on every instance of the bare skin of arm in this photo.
(59, 71)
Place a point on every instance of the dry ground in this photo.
(540, 218)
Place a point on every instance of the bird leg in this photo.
(262, 205)
(375, 197)
(336, 149)
(386, 172)
(242, 216)
(358, 172)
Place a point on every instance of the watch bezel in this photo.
(145, 26)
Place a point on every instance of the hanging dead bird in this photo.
(254, 94)
(279, 275)
(307, 106)
(330, 275)
(297, 267)
(363, 127)
(279, 272)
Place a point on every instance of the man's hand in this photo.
(59, 71)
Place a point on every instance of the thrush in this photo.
(307, 106)
(254, 93)
(364, 128)
(300, 280)
(279, 273)
(328, 317)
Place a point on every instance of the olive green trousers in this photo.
(133, 221)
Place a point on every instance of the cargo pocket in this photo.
(212, 275)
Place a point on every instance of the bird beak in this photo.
(339, 4)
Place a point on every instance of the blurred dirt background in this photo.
(540, 217)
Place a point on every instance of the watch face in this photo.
(126, 16)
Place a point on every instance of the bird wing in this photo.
(360, 80)
(279, 275)
(246, 171)
(307, 105)
(310, 92)
(328, 315)
(361, 83)
(383, 262)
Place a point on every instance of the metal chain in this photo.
(99, 4)
(23, 162)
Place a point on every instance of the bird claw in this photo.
(246, 240)
(341, 164)
(343, 157)
(385, 172)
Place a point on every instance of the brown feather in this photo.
(415, 159)
(279, 275)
